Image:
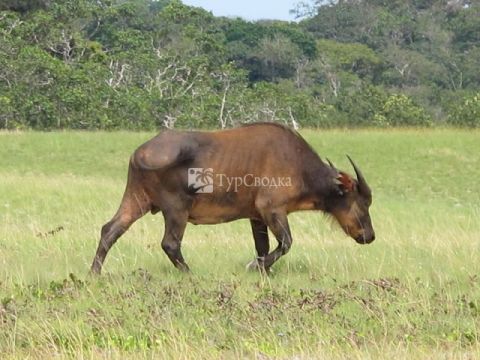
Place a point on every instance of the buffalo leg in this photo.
(127, 214)
(260, 235)
(277, 222)
(111, 231)
(175, 224)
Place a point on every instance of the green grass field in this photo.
(413, 293)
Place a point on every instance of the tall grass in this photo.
(412, 293)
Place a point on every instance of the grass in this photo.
(413, 293)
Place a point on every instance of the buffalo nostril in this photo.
(365, 239)
(361, 239)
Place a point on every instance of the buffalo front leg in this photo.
(262, 245)
(277, 222)
(175, 224)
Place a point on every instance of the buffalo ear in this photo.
(345, 182)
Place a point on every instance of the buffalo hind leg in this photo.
(277, 222)
(262, 245)
(175, 224)
(129, 212)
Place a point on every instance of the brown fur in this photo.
(158, 175)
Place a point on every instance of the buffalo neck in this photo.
(318, 181)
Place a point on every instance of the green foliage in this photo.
(467, 113)
(23, 5)
(400, 110)
(466, 26)
(277, 57)
(145, 64)
(355, 57)
(362, 106)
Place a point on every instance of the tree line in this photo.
(145, 64)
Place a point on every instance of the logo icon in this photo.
(200, 180)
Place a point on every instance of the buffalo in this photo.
(261, 172)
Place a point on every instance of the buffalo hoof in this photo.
(95, 271)
(256, 265)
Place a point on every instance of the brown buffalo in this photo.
(260, 172)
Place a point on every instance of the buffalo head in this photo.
(349, 204)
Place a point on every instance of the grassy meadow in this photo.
(413, 293)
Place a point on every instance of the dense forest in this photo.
(145, 64)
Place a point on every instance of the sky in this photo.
(248, 9)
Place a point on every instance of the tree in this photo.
(400, 110)
(467, 112)
(142, 64)
(277, 57)
(23, 6)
